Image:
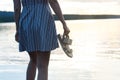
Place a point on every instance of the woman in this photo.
(36, 33)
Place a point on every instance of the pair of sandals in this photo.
(65, 42)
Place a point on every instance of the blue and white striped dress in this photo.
(37, 30)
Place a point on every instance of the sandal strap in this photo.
(66, 40)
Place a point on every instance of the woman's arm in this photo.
(17, 11)
(56, 8)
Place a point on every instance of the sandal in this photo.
(65, 42)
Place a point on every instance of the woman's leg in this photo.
(42, 64)
(31, 70)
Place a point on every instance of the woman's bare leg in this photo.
(31, 70)
(42, 64)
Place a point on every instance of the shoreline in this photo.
(8, 16)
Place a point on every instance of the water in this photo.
(96, 49)
(96, 46)
(9, 48)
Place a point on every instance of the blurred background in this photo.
(96, 43)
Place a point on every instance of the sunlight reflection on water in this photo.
(92, 39)
(96, 48)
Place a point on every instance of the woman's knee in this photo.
(33, 57)
(43, 59)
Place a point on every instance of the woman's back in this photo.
(33, 2)
(37, 27)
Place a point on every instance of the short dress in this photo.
(37, 31)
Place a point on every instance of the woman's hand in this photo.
(66, 29)
(17, 37)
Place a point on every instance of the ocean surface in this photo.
(96, 50)
(96, 45)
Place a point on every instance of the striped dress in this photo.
(37, 30)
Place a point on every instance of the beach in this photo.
(96, 46)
